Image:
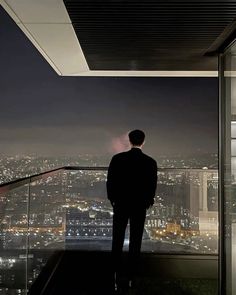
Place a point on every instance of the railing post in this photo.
(27, 237)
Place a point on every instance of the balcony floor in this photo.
(88, 273)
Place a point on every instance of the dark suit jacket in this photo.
(132, 179)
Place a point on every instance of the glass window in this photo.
(228, 100)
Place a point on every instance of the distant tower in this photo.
(208, 220)
(203, 191)
(193, 199)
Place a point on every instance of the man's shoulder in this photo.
(120, 156)
(128, 154)
(150, 159)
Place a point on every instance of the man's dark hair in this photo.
(136, 137)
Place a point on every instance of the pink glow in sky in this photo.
(120, 143)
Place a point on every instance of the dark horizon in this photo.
(43, 113)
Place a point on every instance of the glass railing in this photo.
(14, 241)
(68, 209)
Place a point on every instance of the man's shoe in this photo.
(115, 282)
(131, 283)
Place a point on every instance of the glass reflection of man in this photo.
(131, 186)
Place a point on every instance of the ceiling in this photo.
(127, 38)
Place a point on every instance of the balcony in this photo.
(60, 221)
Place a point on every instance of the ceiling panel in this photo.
(151, 35)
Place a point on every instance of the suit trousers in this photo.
(136, 216)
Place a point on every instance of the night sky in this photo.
(46, 114)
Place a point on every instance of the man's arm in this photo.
(110, 182)
(153, 183)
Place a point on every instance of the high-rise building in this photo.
(148, 39)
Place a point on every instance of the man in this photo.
(131, 186)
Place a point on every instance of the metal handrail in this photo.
(6, 187)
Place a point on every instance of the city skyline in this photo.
(51, 115)
(70, 211)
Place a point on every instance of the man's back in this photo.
(132, 178)
(131, 186)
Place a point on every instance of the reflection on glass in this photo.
(46, 222)
(233, 147)
(233, 129)
(70, 210)
(184, 217)
(88, 212)
(13, 241)
(229, 166)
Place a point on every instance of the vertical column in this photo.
(233, 236)
(203, 192)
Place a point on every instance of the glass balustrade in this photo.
(46, 221)
(183, 219)
(68, 209)
(88, 211)
(14, 240)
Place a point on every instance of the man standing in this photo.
(131, 186)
